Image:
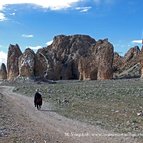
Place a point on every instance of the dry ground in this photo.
(20, 122)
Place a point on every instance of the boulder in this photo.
(3, 72)
(14, 53)
(26, 63)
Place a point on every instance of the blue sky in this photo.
(34, 23)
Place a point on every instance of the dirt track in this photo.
(21, 122)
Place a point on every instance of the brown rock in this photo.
(60, 59)
(68, 57)
(14, 53)
(27, 63)
(129, 65)
(117, 62)
(98, 65)
(43, 62)
(3, 72)
(132, 55)
(141, 63)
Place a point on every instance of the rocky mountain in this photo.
(26, 63)
(128, 66)
(3, 72)
(74, 57)
(68, 57)
(14, 53)
(98, 63)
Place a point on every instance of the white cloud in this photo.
(49, 42)
(83, 9)
(12, 13)
(34, 47)
(2, 17)
(137, 41)
(50, 4)
(46, 4)
(27, 35)
(3, 57)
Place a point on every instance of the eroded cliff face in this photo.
(77, 57)
(14, 53)
(141, 62)
(98, 63)
(68, 57)
(3, 72)
(128, 66)
(26, 63)
(61, 57)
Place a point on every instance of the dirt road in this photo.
(21, 122)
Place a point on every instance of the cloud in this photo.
(45, 4)
(137, 41)
(49, 42)
(27, 35)
(98, 2)
(34, 47)
(50, 4)
(12, 13)
(83, 9)
(2, 17)
(3, 57)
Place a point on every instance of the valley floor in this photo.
(21, 122)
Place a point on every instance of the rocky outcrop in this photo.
(14, 53)
(132, 72)
(132, 56)
(42, 63)
(98, 64)
(141, 63)
(117, 62)
(3, 72)
(68, 57)
(61, 57)
(26, 63)
(76, 57)
(128, 66)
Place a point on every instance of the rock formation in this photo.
(26, 63)
(74, 57)
(98, 64)
(128, 66)
(141, 62)
(68, 57)
(60, 59)
(132, 56)
(3, 72)
(117, 62)
(14, 53)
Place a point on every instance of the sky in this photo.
(34, 23)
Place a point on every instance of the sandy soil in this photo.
(21, 122)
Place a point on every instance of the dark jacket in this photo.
(38, 99)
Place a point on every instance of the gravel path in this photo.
(21, 122)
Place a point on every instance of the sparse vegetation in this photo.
(111, 104)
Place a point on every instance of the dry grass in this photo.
(111, 104)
